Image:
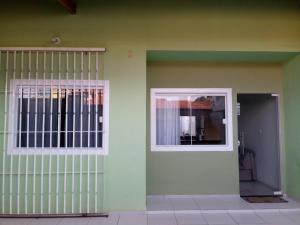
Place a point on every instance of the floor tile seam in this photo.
(236, 222)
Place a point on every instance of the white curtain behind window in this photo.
(168, 121)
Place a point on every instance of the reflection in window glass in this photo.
(209, 112)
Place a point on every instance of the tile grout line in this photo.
(255, 213)
(206, 221)
(196, 203)
(168, 199)
(176, 219)
(147, 219)
(118, 220)
(229, 214)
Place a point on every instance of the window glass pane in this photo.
(208, 113)
(188, 127)
(65, 117)
(99, 118)
(190, 120)
(168, 126)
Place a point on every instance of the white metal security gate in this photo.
(47, 183)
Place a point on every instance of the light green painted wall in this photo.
(292, 111)
(125, 164)
(168, 25)
(127, 30)
(204, 172)
(219, 56)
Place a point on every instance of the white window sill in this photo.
(185, 148)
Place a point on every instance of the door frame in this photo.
(280, 132)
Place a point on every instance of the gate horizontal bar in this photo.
(54, 215)
(57, 49)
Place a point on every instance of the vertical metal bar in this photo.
(33, 184)
(73, 145)
(36, 98)
(35, 130)
(81, 100)
(27, 136)
(51, 112)
(89, 130)
(73, 185)
(18, 184)
(59, 100)
(66, 131)
(74, 98)
(89, 98)
(3, 159)
(190, 120)
(65, 183)
(10, 184)
(81, 136)
(58, 128)
(67, 103)
(29, 95)
(42, 196)
(88, 184)
(80, 183)
(12, 133)
(44, 99)
(5, 100)
(3, 181)
(20, 128)
(97, 102)
(51, 99)
(96, 133)
(42, 185)
(49, 184)
(96, 183)
(57, 182)
(26, 184)
(103, 191)
(20, 95)
(5, 131)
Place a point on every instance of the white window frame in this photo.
(12, 149)
(226, 92)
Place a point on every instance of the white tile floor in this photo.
(200, 203)
(187, 210)
(262, 217)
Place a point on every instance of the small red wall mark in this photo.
(130, 54)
